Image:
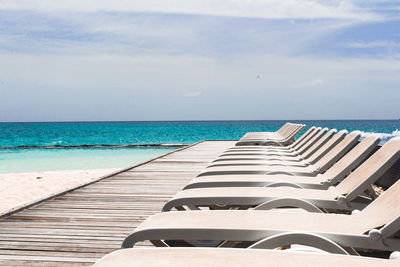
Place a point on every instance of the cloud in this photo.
(373, 44)
(315, 82)
(190, 27)
(192, 94)
(149, 58)
(268, 9)
(136, 34)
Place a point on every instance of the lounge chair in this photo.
(284, 130)
(347, 195)
(375, 227)
(283, 136)
(254, 147)
(262, 136)
(310, 167)
(280, 138)
(234, 257)
(252, 135)
(332, 176)
(307, 142)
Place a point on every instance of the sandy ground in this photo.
(19, 188)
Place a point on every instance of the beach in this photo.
(17, 189)
(180, 133)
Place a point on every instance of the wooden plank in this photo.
(21, 263)
(41, 258)
(51, 253)
(61, 246)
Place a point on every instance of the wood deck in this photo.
(81, 226)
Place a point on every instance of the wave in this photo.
(385, 137)
(93, 146)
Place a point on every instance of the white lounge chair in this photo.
(375, 227)
(282, 137)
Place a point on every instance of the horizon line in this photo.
(216, 120)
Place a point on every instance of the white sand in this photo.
(19, 188)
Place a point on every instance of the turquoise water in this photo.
(28, 147)
(31, 160)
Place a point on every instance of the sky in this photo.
(90, 60)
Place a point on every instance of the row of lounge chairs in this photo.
(246, 203)
(284, 136)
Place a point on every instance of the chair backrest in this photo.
(291, 134)
(303, 136)
(308, 138)
(381, 211)
(337, 151)
(287, 130)
(312, 141)
(293, 127)
(371, 170)
(319, 144)
(351, 160)
(327, 147)
(309, 132)
(284, 127)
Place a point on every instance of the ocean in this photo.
(47, 146)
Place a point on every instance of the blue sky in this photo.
(199, 59)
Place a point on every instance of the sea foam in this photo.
(385, 137)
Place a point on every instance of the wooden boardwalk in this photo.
(81, 226)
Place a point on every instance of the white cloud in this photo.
(138, 34)
(85, 27)
(270, 9)
(149, 65)
(373, 44)
(192, 94)
(315, 82)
